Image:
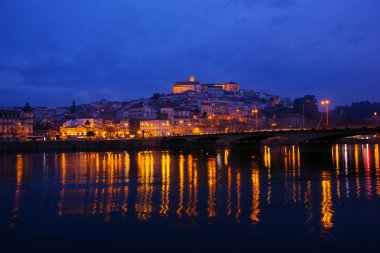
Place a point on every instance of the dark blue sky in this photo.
(54, 51)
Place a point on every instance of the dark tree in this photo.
(90, 134)
(307, 106)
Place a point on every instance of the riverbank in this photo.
(152, 143)
(80, 145)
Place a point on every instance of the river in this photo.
(273, 199)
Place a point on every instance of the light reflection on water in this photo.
(220, 186)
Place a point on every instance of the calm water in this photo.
(278, 199)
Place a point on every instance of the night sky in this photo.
(56, 51)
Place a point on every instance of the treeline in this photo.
(358, 113)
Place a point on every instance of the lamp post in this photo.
(256, 112)
(326, 102)
(237, 111)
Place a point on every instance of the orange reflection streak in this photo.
(286, 172)
(63, 182)
(286, 158)
(267, 157)
(294, 161)
(255, 177)
(190, 185)
(294, 192)
(269, 193)
(97, 167)
(238, 196)
(299, 160)
(103, 172)
(337, 168)
(267, 164)
(229, 185)
(367, 170)
(127, 164)
(145, 164)
(120, 167)
(226, 155)
(111, 168)
(111, 193)
(356, 151)
(165, 187)
(326, 209)
(346, 171)
(194, 208)
(192, 172)
(308, 203)
(377, 167)
(181, 183)
(19, 178)
(211, 182)
(337, 162)
(294, 174)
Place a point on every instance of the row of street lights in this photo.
(325, 102)
(254, 111)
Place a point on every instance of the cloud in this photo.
(54, 54)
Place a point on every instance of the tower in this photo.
(26, 117)
(192, 78)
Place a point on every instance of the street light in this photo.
(326, 103)
(256, 111)
(237, 111)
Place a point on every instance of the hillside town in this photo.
(190, 108)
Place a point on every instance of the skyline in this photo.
(53, 52)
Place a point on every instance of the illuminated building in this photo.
(123, 128)
(16, 123)
(81, 128)
(215, 88)
(181, 87)
(231, 87)
(155, 128)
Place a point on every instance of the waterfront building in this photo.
(155, 128)
(16, 123)
(123, 129)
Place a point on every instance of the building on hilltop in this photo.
(181, 87)
(192, 85)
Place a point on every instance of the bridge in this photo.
(299, 136)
